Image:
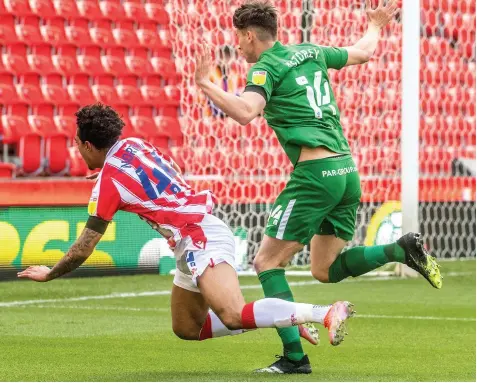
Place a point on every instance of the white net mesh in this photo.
(246, 167)
(447, 131)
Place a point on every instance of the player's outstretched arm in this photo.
(242, 109)
(75, 256)
(378, 18)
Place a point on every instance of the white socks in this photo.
(265, 313)
(273, 312)
(214, 328)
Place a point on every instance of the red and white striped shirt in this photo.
(138, 178)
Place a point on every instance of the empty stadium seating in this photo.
(60, 54)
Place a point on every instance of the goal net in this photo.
(246, 167)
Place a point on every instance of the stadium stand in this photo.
(60, 54)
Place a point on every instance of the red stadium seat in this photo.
(43, 8)
(7, 30)
(28, 30)
(64, 60)
(435, 47)
(173, 95)
(41, 121)
(18, 7)
(65, 120)
(165, 68)
(89, 9)
(8, 95)
(113, 60)
(89, 60)
(143, 123)
(135, 11)
(53, 90)
(467, 50)
(104, 91)
(172, 127)
(128, 130)
(66, 9)
(124, 34)
(7, 170)
(53, 31)
(78, 167)
(152, 91)
(30, 151)
(137, 62)
(112, 10)
(77, 32)
(14, 59)
(17, 130)
(56, 142)
(14, 123)
(148, 35)
(79, 90)
(128, 91)
(39, 60)
(436, 161)
(28, 89)
(56, 153)
(166, 37)
(157, 13)
(101, 34)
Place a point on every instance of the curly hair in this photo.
(99, 124)
(259, 14)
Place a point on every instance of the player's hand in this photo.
(203, 63)
(36, 273)
(382, 15)
(92, 176)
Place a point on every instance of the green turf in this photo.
(101, 340)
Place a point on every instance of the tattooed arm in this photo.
(75, 256)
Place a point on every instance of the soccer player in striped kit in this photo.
(206, 299)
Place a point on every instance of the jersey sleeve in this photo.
(105, 199)
(335, 58)
(260, 79)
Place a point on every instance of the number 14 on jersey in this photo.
(316, 96)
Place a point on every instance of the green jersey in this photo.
(301, 107)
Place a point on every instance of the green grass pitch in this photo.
(404, 331)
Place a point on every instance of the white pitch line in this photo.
(85, 298)
(415, 317)
(123, 295)
(105, 308)
(168, 292)
(148, 309)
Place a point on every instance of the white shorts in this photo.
(220, 247)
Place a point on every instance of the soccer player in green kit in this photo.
(318, 206)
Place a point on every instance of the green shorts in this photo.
(322, 198)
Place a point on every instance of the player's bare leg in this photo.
(324, 251)
(330, 264)
(192, 318)
(273, 255)
(189, 312)
(220, 288)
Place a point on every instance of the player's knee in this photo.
(186, 333)
(262, 263)
(231, 319)
(320, 274)
(258, 264)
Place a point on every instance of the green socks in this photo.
(275, 285)
(360, 260)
